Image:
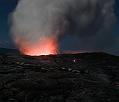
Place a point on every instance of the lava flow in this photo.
(45, 46)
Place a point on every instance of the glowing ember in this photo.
(44, 46)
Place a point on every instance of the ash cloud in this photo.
(89, 20)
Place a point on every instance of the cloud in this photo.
(90, 20)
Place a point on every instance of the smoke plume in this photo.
(35, 20)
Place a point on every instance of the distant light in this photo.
(74, 60)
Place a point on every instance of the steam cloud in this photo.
(90, 20)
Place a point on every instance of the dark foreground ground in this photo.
(86, 77)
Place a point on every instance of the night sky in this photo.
(6, 8)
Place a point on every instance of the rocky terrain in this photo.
(85, 77)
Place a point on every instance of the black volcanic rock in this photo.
(85, 77)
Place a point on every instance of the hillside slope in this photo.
(86, 77)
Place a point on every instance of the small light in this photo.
(74, 61)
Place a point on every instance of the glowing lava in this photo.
(45, 46)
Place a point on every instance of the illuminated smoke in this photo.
(37, 21)
(44, 46)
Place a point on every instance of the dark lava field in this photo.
(84, 77)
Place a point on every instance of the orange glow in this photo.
(45, 46)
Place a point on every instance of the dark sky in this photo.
(7, 6)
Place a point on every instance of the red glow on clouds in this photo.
(45, 46)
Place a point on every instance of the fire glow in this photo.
(45, 46)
